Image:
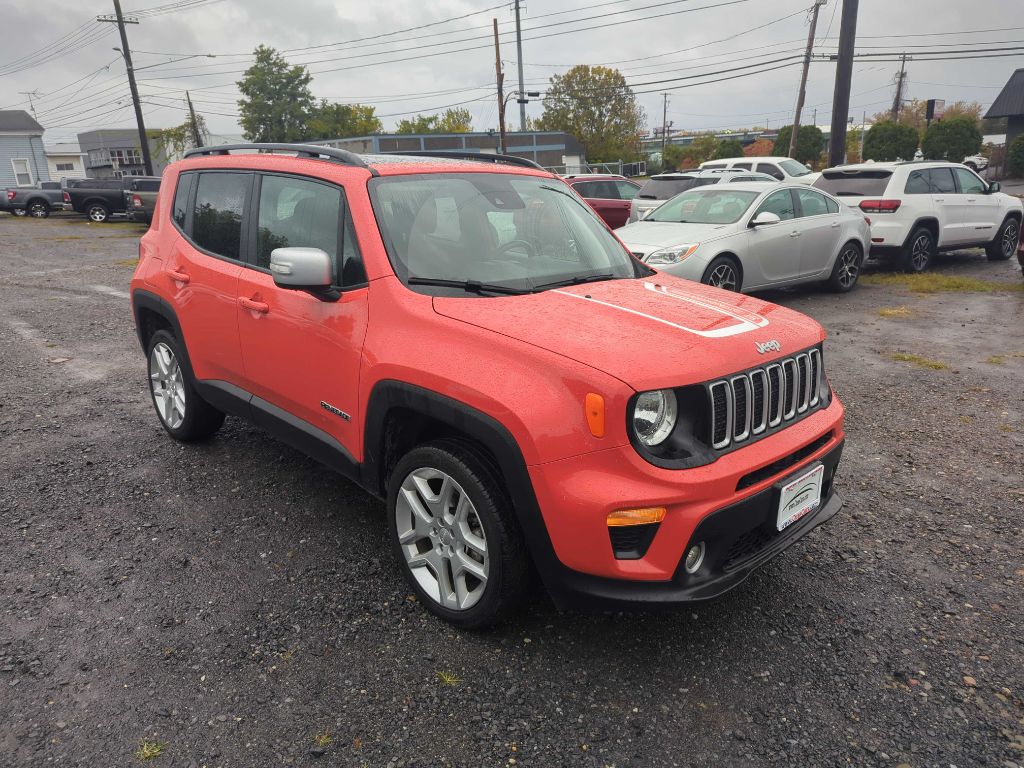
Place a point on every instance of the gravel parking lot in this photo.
(236, 603)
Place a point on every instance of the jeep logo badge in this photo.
(768, 346)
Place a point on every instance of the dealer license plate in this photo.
(800, 496)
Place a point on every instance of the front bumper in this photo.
(740, 538)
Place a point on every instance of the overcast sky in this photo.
(409, 72)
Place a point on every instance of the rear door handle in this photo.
(177, 274)
(254, 306)
(794, 234)
(940, 199)
(835, 224)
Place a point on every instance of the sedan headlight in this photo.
(672, 255)
(654, 416)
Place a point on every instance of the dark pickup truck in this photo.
(140, 198)
(99, 199)
(35, 201)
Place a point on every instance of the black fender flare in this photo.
(143, 300)
(479, 427)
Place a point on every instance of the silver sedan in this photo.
(750, 236)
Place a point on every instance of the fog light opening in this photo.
(694, 558)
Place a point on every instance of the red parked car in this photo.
(609, 195)
(465, 340)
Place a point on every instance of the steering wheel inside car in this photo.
(526, 245)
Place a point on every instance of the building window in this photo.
(22, 173)
(65, 166)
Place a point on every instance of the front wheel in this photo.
(97, 212)
(722, 273)
(182, 412)
(19, 212)
(846, 271)
(919, 251)
(455, 534)
(38, 210)
(1005, 243)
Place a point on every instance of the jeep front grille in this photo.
(749, 404)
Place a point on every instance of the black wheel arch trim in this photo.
(928, 223)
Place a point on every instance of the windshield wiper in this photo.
(470, 286)
(576, 280)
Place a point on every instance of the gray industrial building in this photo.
(115, 152)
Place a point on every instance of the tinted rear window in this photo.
(663, 189)
(145, 185)
(854, 183)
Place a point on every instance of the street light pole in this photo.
(127, 54)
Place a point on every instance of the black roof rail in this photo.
(484, 157)
(313, 151)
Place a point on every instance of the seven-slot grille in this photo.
(749, 404)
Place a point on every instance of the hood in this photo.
(650, 235)
(655, 332)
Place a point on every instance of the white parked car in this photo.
(748, 237)
(917, 209)
(779, 168)
(976, 162)
(660, 188)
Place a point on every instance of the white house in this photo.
(65, 161)
(22, 159)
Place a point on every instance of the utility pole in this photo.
(195, 123)
(519, 58)
(126, 52)
(844, 77)
(31, 105)
(801, 94)
(863, 130)
(897, 102)
(500, 77)
(664, 125)
(815, 118)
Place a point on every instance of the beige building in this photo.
(65, 161)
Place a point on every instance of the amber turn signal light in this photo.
(641, 516)
(593, 405)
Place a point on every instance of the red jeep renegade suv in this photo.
(468, 341)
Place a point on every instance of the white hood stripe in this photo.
(745, 321)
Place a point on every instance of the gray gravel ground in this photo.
(234, 601)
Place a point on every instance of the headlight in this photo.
(672, 255)
(654, 416)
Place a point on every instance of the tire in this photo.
(723, 272)
(182, 412)
(442, 555)
(846, 271)
(1005, 243)
(919, 252)
(38, 209)
(97, 212)
(972, 166)
(19, 212)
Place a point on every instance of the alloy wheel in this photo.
(849, 267)
(167, 384)
(1010, 235)
(38, 211)
(921, 252)
(723, 276)
(442, 538)
(97, 214)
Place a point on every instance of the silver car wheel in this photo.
(723, 276)
(442, 538)
(921, 252)
(849, 267)
(1010, 235)
(167, 385)
(98, 213)
(38, 211)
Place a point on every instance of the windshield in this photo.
(854, 183)
(663, 189)
(520, 233)
(710, 205)
(793, 168)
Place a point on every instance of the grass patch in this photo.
(920, 362)
(133, 263)
(323, 739)
(996, 359)
(448, 678)
(936, 282)
(150, 749)
(894, 312)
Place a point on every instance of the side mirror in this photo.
(645, 213)
(302, 269)
(765, 218)
(993, 187)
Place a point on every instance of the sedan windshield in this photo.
(706, 205)
(794, 168)
(491, 233)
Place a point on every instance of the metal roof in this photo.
(18, 120)
(1010, 101)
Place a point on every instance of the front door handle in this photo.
(794, 234)
(940, 199)
(254, 306)
(835, 225)
(177, 274)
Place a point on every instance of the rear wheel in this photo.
(919, 251)
(38, 209)
(97, 212)
(183, 413)
(455, 534)
(972, 165)
(1005, 243)
(722, 273)
(846, 271)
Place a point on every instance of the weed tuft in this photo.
(149, 749)
(323, 739)
(920, 362)
(938, 282)
(448, 678)
(894, 312)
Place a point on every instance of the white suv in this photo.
(781, 168)
(917, 209)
